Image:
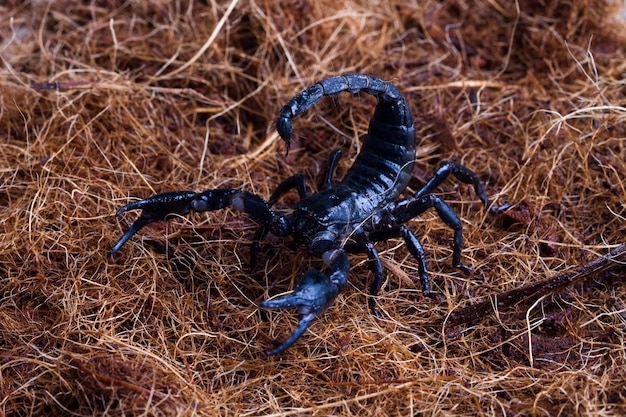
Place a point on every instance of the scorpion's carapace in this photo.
(348, 217)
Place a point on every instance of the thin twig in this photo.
(532, 292)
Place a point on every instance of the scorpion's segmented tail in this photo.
(383, 167)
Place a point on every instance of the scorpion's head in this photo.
(281, 225)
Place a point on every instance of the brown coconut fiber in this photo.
(105, 102)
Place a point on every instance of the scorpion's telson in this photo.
(347, 217)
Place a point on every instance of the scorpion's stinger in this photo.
(298, 105)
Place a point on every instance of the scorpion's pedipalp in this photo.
(155, 208)
(159, 206)
(303, 324)
(315, 291)
(134, 228)
(313, 294)
(164, 205)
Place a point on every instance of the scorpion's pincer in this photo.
(155, 208)
(313, 294)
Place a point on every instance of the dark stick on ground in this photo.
(532, 292)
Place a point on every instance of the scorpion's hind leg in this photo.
(315, 291)
(165, 205)
(414, 206)
(464, 175)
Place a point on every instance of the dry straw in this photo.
(103, 102)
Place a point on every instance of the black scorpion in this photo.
(344, 218)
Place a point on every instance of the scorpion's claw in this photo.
(313, 294)
(155, 208)
(134, 228)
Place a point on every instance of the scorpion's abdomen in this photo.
(383, 167)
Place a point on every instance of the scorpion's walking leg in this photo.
(413, 245)
(377, 270)
(414, 206)
(375, 266)
(315, 291)
(166, 205)
(297, 181)
(464, 175)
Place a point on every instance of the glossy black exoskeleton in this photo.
(348, 217)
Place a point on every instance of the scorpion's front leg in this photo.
(165, 205)
(315, 291)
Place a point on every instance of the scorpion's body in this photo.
(347, 217)
(381, 171)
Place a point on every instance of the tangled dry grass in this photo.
(108, 100)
